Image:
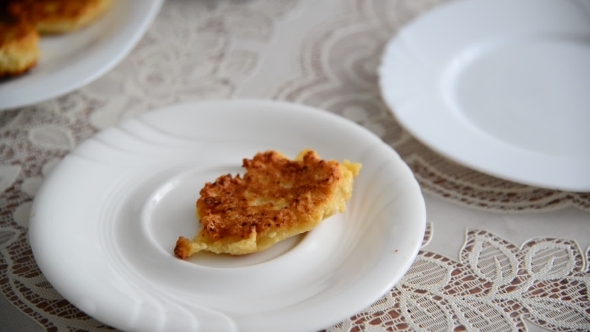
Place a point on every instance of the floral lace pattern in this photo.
(189, 54)
(203, 49)
(495, 286)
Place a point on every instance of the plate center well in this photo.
(170, 212)
(533, 94)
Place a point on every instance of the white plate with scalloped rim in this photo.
(104, 224)
(72, 60)
(500, 86)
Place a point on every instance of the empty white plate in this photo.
(500, 86)
(104, 224)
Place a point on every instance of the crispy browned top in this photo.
(38, 10)
(19, 48)
(275, 191)
(13, 31)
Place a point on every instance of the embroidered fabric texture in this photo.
(495, 286)
(213, 49)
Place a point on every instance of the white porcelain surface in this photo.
(72, 60)
(501, 86)
(104, 223)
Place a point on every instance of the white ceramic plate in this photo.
(501, 86)
(72, 60)
(104, 224)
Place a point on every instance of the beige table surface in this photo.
(497, 256)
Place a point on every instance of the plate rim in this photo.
(122, 44)
(35, 232)
(513, 155)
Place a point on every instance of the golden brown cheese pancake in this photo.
(19, 50)
(277, 198)
(58, 16)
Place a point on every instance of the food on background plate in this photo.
(19, 50)
(21, 22)
(277, 198)
(58, 16)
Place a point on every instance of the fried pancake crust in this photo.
(277, 198)
(19, 49)
(58, 16)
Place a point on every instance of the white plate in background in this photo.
(500, 86)
(72, 60)
(104, 224)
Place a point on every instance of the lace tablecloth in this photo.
(497, 256)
